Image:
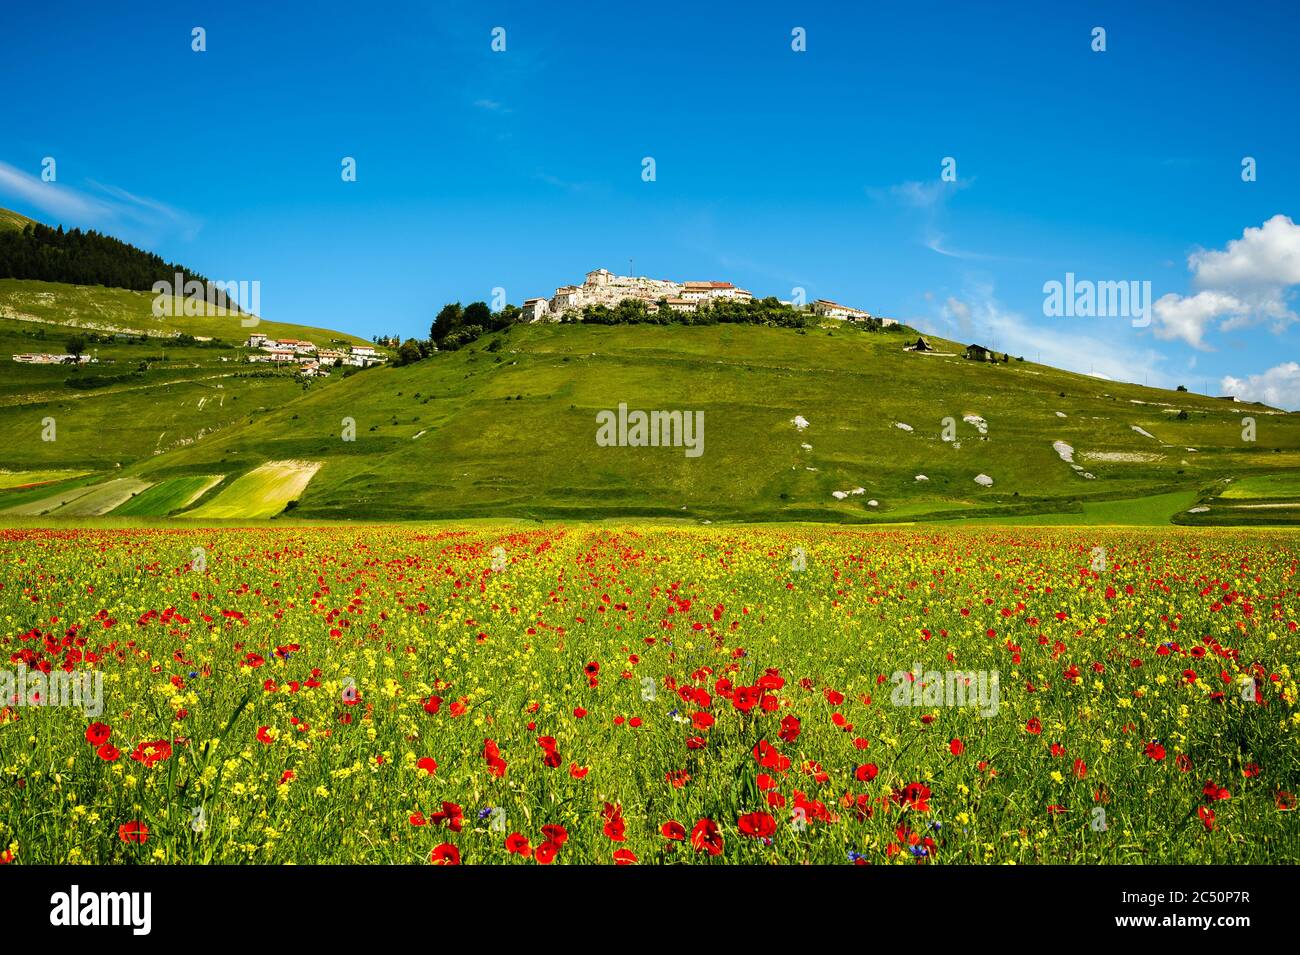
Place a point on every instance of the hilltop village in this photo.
(602, 287)
(310, 359)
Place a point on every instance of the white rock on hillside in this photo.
(799, 421)
(977, 422)
(1064, 451)
(983, 480)
(922, 477)
(902, 427)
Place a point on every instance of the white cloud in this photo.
(50, 197)
(1266, 257)
(980, 317)
(1279, 386)
(1243, 284)
(1185, 319)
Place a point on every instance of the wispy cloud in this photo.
(978, 316)
(101, 206)
(52, 198)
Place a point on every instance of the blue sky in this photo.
(775, 169)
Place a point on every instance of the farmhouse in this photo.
(566, 297)
(535, 309)
(920, 345)
(296, 345)
(704, 291)
(979, 353)
(828, 309)
(682, 304)
(36, 358)
(330, 356)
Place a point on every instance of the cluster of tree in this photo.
(85, 258)
(767, 311)
(458, 325)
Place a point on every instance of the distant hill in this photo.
(507, 427)
(13, 220)
(825, 423)
(32, 250)
(157, 382)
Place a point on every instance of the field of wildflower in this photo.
(650, 695)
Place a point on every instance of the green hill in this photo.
(827, 424)
(157, 383)
(507, 427)
(14, 221)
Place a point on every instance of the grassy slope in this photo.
(185, 393)
(13, 220)
(482, 451)
(96, 308)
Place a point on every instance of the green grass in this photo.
(1151, 511)
(262, 492)
(19, 479)
(147, 398)
(167, 496)
(100, 309)
(1285, 484)
(10, 220)
(512, 433)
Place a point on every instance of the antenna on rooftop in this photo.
(629, 267)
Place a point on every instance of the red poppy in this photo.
(108, 752)
(451, 815)
(264, 735)
(705, 837)
(956, 747)
(914, 796)
(518, 844)
(1207, 816)
(1155, 751)
(759, 825)
(1214, 792)
(557, 835)
(97, 734)
(624, 857)
(428, 764)
(866, 772)
(790, 729)
(1033, 726)
(545, 853)
(445, 854)
(672, 829)
(133, 832)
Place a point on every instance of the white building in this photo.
(535, 309)
(330, 356)
(37, 358)
(828, 309)
(705, 291)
